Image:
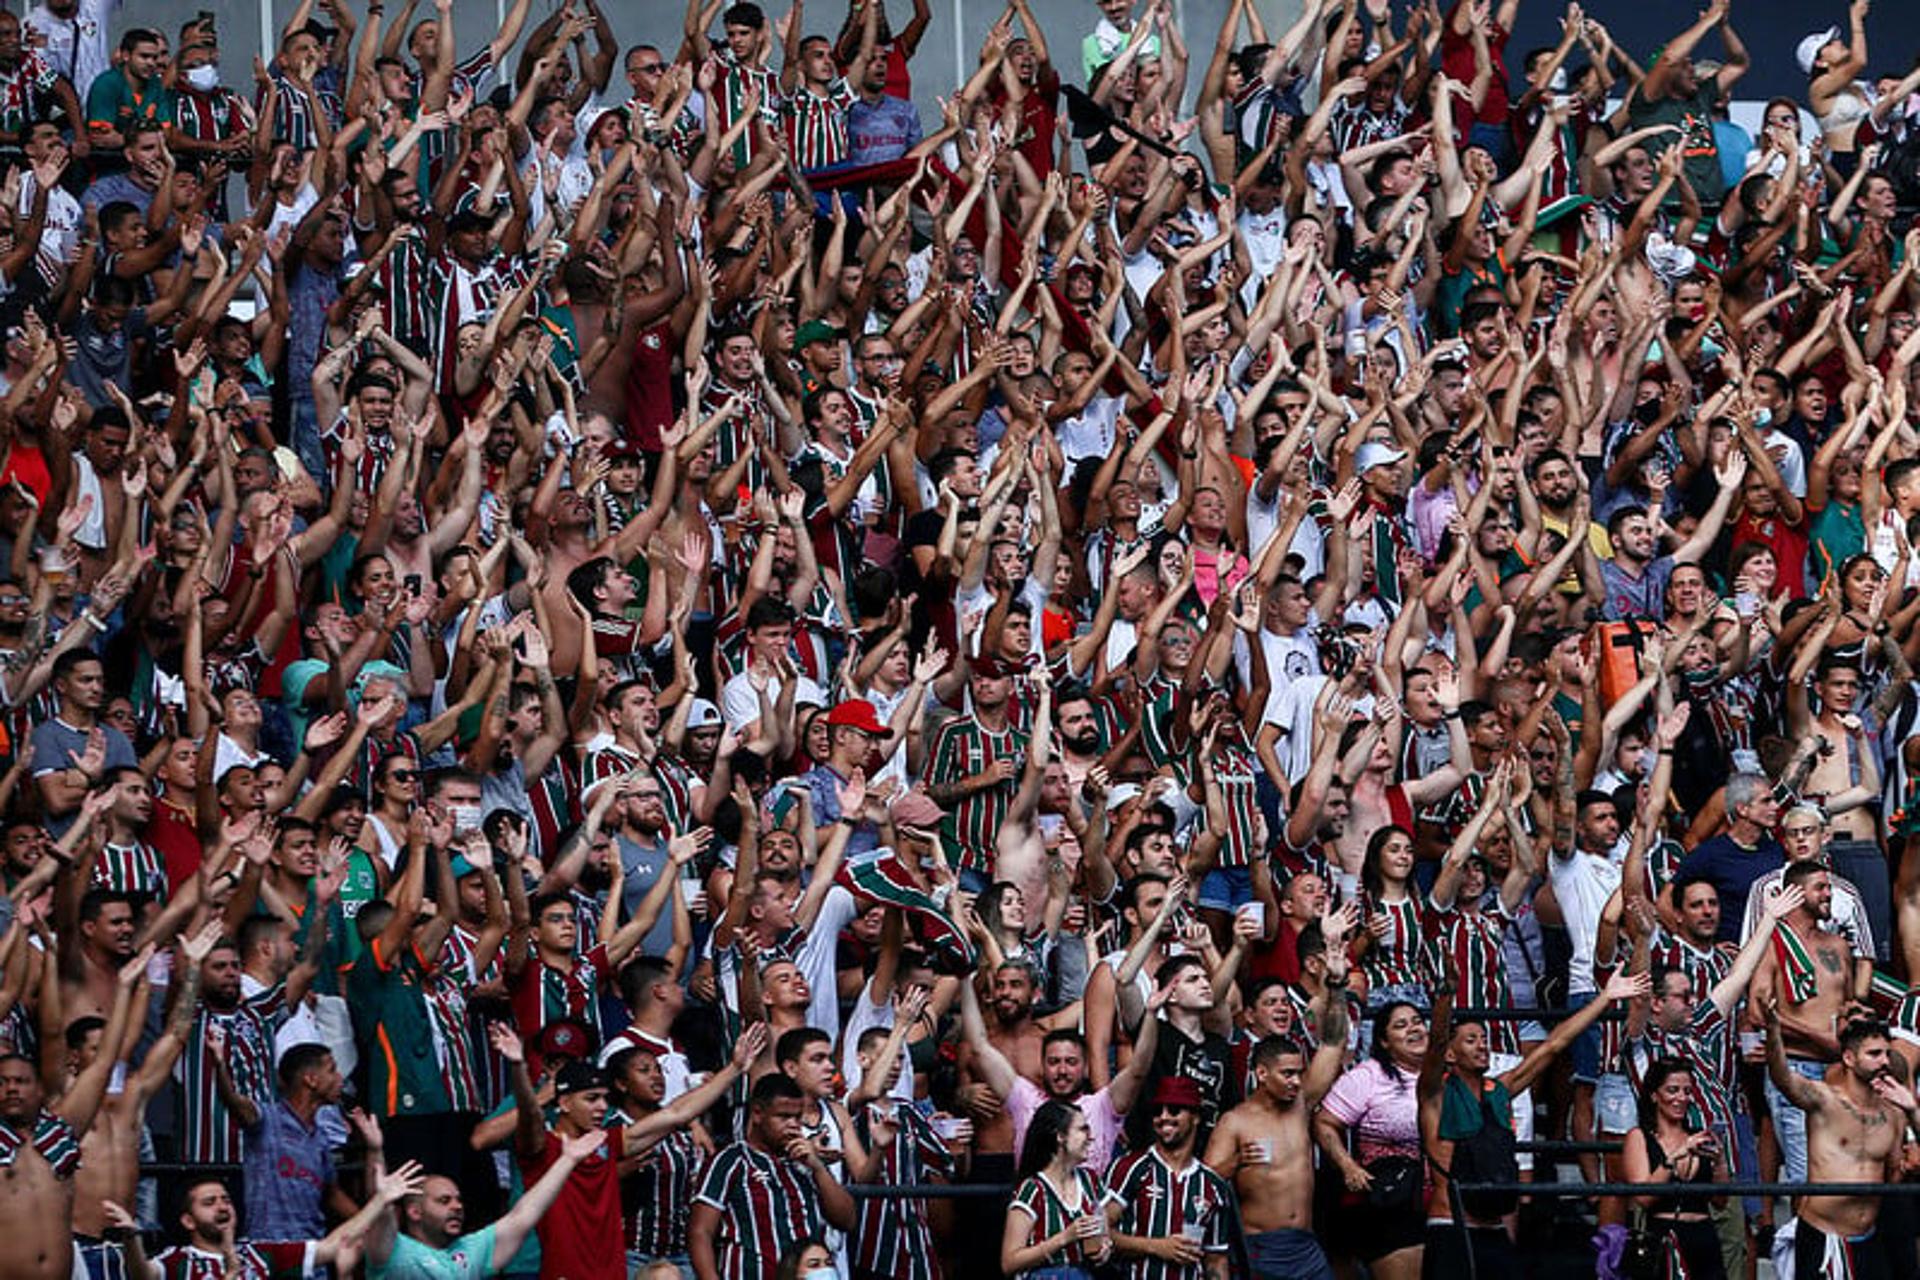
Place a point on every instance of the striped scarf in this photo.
(883, 878)
(1796, 964)
(55, 1140)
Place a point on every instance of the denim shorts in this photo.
(1226, 888)
(1615, 1109)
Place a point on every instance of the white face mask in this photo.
(203, 77)
(820, 1273)
(466, 817)
(1558, 80)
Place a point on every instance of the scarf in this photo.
(1796, 964)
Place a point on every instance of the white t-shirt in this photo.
(1582, 883)
(866, 1015)
(741, 705)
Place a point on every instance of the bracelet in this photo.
(1666, 751)
(1451, 713)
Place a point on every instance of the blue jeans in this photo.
(304, 435)
(1864, 863)
(1790, 1122)
(1585, 1054)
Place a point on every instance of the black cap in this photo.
(578, 1077)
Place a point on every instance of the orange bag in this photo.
(1613, 655)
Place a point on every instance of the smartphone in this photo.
(412, 582)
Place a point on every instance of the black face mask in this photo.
(1647, 414)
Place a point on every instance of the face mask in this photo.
(203, 77)
(1558, 80)
(1761, 417)
(820, 1273)
(466, 817)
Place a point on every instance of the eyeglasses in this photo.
(648, 68)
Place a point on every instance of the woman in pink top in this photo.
(1217, 566)
(1369, 1126)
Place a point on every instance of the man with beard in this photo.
(1855, 1117)
(1805, 983)
(1077, 731)
(40, 1148)
(433, 1245)
(1635, 576)
(212, 1249)
(646, 849)
(1265, 1147)
(1170, 1213)
(228, 1068)
(1062, 1067)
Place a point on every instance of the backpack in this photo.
(1487, 1155)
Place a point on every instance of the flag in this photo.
(881, 877)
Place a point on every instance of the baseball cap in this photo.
(855, 713)
(565, 1039)
(917, 809)
(1374, 454)
(816, 331)
(702, 715)
(620, 449)
(1810, 48)
(578, 1077)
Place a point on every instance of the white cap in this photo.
(1374, 454)
(1810, 48)
(702, 714)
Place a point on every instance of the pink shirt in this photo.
(1028, 1097)
(1382, 1112)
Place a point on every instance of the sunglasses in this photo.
(1169, 1108)
(403, 775)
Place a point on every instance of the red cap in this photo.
(855, 713)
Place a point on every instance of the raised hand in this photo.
(506, 1042)
(751, 1044)
(1784, 903)
(405, 1181)
(684, 847)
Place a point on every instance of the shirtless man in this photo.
(1264, 1145)
(1020, 1038)
(1374, 801)
(1854, 1122)
(41, 1147)
(1813, 1000)
(94, 942)
(1845, 780)
(110, 1151)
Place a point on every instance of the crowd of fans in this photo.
(616, 677)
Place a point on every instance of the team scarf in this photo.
(881, 877)
(1796, 964)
